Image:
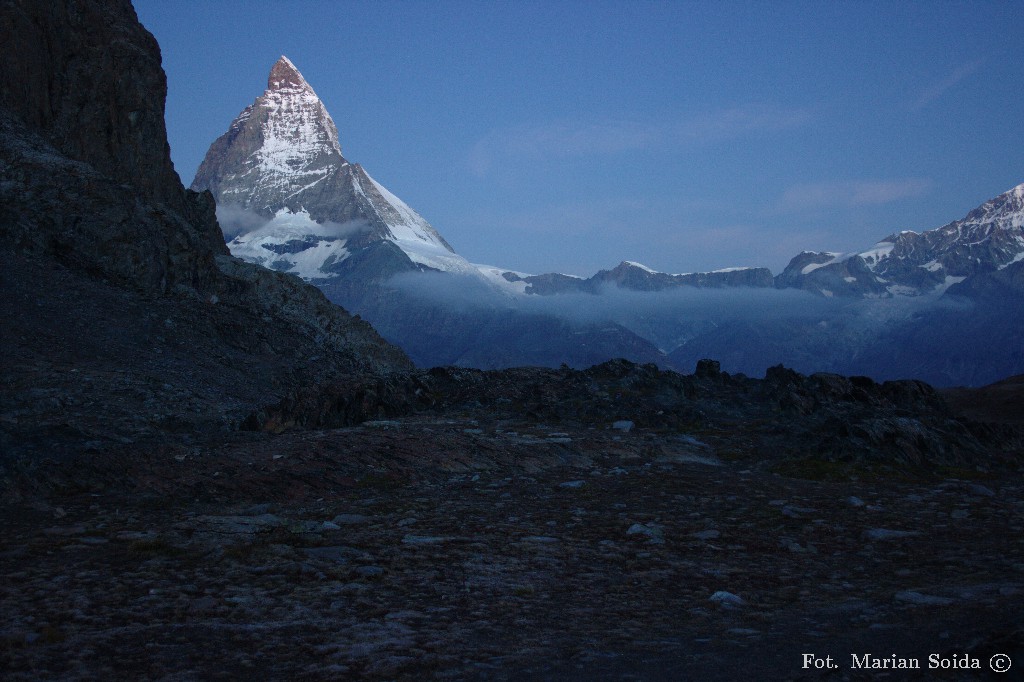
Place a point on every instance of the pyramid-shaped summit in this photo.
(284, 75)
(283, 142)
(281, 159)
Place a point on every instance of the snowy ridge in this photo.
(735, 269)
(408, 229)
(495, 276)
(641, 266)
(988, 238)
(879, 252)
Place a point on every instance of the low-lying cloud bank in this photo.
(235, 220)
(671, 317)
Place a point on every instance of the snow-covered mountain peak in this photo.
(282, 144)
(639, 266)
(988, 238)
(282, 160)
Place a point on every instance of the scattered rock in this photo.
(727, 600)
(796, 512)
(350, 519)
(652, 532)
(978, 489)
(706, 534)
(887, 534)
(369, 571)
(918, 599)
(424, 539)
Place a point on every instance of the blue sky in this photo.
(688, 136)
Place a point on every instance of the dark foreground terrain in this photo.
(465, 542)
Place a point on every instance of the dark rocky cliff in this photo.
(87, 76)
(124, 315)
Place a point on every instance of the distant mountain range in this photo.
(289, 200)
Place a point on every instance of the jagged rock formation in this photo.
(124, 315)
(986, 240)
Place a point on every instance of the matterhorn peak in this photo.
(282, 142)
(285, 75)
(281, 160)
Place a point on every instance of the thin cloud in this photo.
(737, 122)
(812, 196)
(585, 138)
(932, 93)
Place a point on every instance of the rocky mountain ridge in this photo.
(988, 239)
(125, 317)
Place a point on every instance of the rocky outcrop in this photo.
(86, 163)
(124, 315)
(87, 77)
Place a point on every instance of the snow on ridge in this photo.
(641, 266)
(877, 253)
(494, 274)
(297, 132)
(299, 138)
(811, 267)
(411, 232)
(1016, 259)
(325, 243)
(500, 271)
(290, 64)
(408, 218)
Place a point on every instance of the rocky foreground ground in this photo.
(466, 543)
